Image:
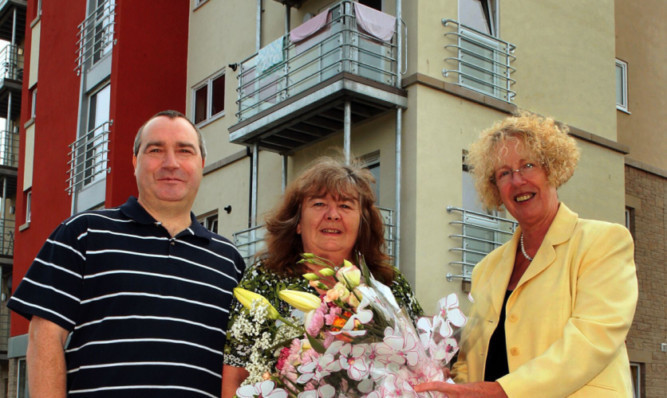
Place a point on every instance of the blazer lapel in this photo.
(559, 232)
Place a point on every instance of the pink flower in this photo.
(264, 389)
(315, 320)
(352, 358)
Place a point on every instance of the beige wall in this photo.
(645, 52)
(565, 60)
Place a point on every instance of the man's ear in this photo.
(134, 163)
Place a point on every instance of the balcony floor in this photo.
(317, 113)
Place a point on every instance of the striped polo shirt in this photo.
(147, 312)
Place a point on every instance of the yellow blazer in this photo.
(568, 317)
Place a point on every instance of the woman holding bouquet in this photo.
(328, 211)
(552, 306)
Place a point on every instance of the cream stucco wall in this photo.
(645, 51)
(564, 60)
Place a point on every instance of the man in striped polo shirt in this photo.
(142, 290)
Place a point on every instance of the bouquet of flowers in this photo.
(353, 340)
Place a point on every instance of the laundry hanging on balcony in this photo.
(310, 27)
(270, 55)
(376, 23)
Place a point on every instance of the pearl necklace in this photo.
(523, 250)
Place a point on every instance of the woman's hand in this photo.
(480, 389)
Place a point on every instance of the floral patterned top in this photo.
(266, 283)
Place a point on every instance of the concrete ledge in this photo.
(225, 161)
(645, 167)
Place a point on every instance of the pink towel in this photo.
(374, 22)
(310, 27)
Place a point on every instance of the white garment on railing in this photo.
(310, 27)
(376, 23)
(270, 55)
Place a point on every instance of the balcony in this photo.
(12, 20)
(6, 238)
(9, 149)
(480, 234)
(478, 61)
(95, 38)
(251, 241)
(293, 92)
(88, 162)
(11, 77)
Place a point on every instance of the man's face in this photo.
(169, 164)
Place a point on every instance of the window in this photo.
(28, 206)
(621, 86)
(33, 102)
(21, 379)
(371, 161)
(636, 373)
(480, 15)
(103, 28)
(630, 219)
(199, 3)
(209, 99)
(377, 4)
(97, 135)
(210, 222)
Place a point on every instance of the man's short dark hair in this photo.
(171, 114)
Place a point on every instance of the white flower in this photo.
(353, 359)
(324, 391)
(450, 314)
(397, 348)
(264, 389)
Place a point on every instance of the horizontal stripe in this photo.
(68, 247)
(143, 340)
(153, 318)
(156, 275)
(43, 309)
(158, 296)
(142, 387)
(123, 364)
(49, 287)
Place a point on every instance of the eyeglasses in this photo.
(504, 175)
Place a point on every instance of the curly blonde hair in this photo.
(543, 138)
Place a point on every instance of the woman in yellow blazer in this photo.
(552, 306)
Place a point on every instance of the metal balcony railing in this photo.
(7, 237)
(11, 62)
(340, 46)
(88, 158)
(482, 62)
(480, 234)
(251, 241)
(9, 149)
(95, 36)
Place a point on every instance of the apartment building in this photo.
(95, 70)
(641, 104)
(406, 86)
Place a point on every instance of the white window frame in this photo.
(207, 221)
(199, 3)
(623, 104)
(208, 83)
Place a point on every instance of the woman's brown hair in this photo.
(326, 175)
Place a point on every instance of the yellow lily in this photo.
(300, 300)
(246, 297)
